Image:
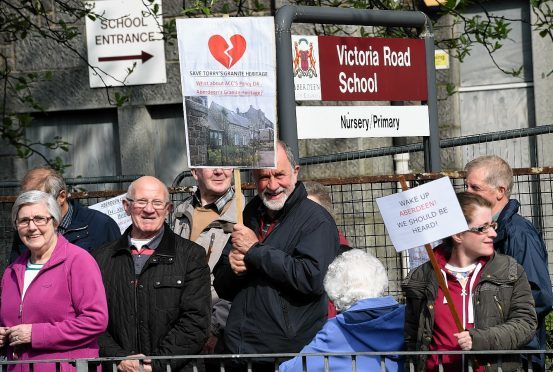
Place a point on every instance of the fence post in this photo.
(81, 365)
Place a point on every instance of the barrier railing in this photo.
(250, 362)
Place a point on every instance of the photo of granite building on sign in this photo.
(223, 136)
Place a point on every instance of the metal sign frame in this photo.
(286, 97)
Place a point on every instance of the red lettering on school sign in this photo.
(372, 69)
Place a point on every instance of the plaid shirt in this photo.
(218, 205)
(66, 220)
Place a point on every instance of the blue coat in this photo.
(373, 324)
(89, 229)
(518, 238)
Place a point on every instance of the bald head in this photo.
(48, 180)
(148, 182)
(43, 179)
(148, 205)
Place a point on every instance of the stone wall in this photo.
(198, 131)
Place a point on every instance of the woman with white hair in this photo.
(367, 320)
(53, 303)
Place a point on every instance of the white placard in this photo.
(126, 37)
(361, 121)
(114, 208)
(228, 75)
(422, 215)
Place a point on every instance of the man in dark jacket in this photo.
(273, 270)
(492, 178)
(86, 228)
(157, 286)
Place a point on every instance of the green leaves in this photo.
(121, 99)
(450, 89)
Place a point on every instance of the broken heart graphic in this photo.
(225, 54)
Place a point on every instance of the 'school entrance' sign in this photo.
(125, 44)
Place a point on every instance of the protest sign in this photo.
(114, 208)
(228, 75)
(422, 215)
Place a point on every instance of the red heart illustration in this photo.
(220, 49)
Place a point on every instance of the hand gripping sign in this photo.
(423, 215)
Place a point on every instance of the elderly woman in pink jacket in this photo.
(53, 303)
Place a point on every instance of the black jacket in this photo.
(280, 303)
(165, 311)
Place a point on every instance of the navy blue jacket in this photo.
(518, 238)
(280, 304)
(89, 229)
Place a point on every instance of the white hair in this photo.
(37, 197)
(353, 276)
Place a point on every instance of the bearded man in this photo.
(274, 266)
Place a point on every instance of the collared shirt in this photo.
(66, 220)
(266, 224)
(141, 256)
(218, 205)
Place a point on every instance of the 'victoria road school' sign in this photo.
(372, 69)
(359, 69)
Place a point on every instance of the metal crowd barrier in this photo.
(247, 362)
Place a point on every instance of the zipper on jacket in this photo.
(285, 313)
(499, 307)
(21, 310)
(76, 229)
(136, 320)
(210, 247)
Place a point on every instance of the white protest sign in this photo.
(422, 215)
(228, 75)
(114, 208)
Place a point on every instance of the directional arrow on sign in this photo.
(143, 56)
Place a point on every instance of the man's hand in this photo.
(20, 334)
(243, 238)
(236, 261)
(464, 340)
(134, 365)
(209, 346)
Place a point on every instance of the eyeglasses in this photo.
(37, 220)
(142, 203)
(484, 228)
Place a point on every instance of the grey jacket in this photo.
(219, 230)
(504, 312)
